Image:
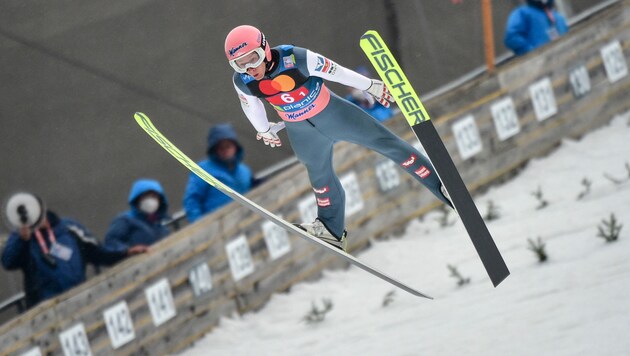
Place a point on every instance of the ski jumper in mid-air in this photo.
(291, 79)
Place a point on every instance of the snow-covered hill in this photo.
(576, 303)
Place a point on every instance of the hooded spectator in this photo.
(142, 223)
(225, 163)
(533, 25)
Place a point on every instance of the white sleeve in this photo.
(320, 66)
(254, 109)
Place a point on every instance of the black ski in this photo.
(420, 122)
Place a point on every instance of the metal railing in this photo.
(17, 301)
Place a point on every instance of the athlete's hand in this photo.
(380, 92)
(270, 138)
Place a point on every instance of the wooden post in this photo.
(488, 35)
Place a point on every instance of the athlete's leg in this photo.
(354, 125)
(315, 151)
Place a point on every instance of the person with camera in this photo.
(52, 252)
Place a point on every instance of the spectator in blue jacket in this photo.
(225, 163)
(366, 101)
(53, 256)
(142, 223)
(532, 25)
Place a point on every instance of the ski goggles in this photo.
(251, 59)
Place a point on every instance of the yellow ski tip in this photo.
(371, 33)
(138, 115)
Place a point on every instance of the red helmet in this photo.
(243, 41)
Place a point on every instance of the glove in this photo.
(270, 138)
(380, 92)
(362, 98)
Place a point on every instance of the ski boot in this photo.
(318, 229)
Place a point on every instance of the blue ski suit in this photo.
(316, 118)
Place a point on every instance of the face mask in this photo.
(149, 205)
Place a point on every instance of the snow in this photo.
(576, 303)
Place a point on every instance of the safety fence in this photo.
(233, 261)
